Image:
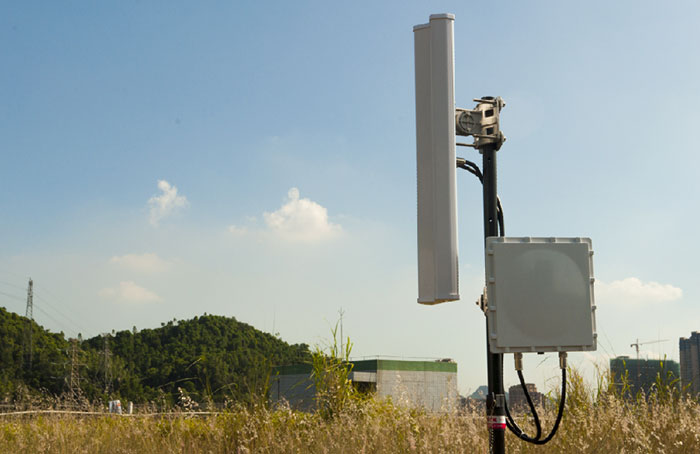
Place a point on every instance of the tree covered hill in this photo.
(47, 359)
(209, 357)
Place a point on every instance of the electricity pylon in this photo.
(28, 328)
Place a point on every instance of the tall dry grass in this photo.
(595, 422)
(598, 419)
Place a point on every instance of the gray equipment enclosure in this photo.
(540, 294)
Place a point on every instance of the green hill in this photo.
(208, 357)
(47, 360)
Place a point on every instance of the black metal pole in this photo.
(495, 401)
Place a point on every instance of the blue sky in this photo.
(160, 160)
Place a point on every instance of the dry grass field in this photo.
(594, 422)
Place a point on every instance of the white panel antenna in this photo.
(438, 279)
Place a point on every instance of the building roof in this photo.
(641, 361)
(378, 364)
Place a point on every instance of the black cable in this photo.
(560, 413)
(519, 433)
(474, 170)
(499, 214)
(516, 429)
(536, 417)
(510, 423)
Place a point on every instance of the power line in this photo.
(18, 298)
(76, 327)
(15, 275)
(68, 319)
(67, 329)
(107, 364)
(60, 302)
(12, 285)
(49, 316)
(60, 324)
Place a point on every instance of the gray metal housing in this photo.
(540, 294)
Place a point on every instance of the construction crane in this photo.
(637, 344)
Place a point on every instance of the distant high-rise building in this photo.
(642, 374)
(517, 399)
(690, 363)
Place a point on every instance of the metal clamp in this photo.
(482, 123)
(483, 301)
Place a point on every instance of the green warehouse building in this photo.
(429, 384)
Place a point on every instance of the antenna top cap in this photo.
(449, 16)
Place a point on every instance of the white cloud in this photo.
(236, 230)
(143, 263)
(165, 204)
(298, 220)
(633, 291)
(129, 292)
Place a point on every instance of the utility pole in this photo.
(28, 326)
(74, 377)
(483, 124)
(495, 400)
(107, 364)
